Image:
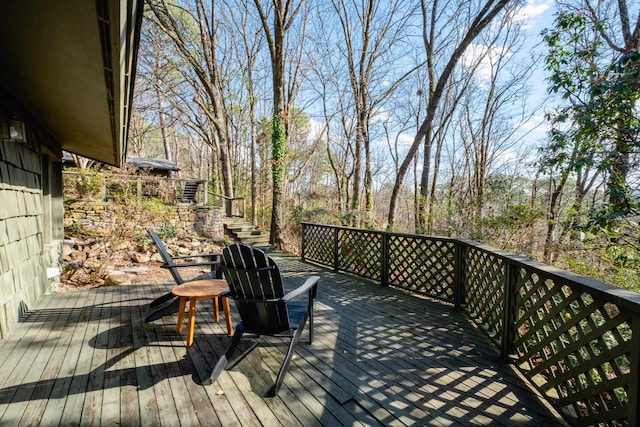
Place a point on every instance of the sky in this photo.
(538, 15)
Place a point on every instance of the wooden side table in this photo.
(198, 290)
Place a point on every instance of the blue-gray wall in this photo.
(31, 215)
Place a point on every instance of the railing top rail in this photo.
(225, 197)
(387, 233)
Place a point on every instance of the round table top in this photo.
(208, 288)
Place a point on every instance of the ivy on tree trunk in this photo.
(279, 149)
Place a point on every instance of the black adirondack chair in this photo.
(169, 303)
(256, 287)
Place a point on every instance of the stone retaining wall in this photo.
(205, 221)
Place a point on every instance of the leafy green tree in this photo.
(599, 126)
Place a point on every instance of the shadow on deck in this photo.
(379, 357)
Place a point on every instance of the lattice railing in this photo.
(319, 244)
(360, 252)
(577, 340)
(484, 291)
(577, 344)
(422, 265)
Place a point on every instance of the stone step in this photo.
(245, 234)
(261, 241)
(243, 231)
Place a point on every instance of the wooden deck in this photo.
(379, 357)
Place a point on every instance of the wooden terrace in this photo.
(380, 357)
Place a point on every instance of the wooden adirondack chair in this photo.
(169, 303)
(256, 287)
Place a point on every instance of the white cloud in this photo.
(532, 11)
(507, 156)
(380, 116)
(537, 122)
(317, 128)
(486, 56)
(405, 140)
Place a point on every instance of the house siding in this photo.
(31, 212)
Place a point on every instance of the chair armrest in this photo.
(309, 285)
(190, 264)
(212, 255)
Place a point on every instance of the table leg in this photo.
(183, 302)
(227, 314)
(192, 321)
(216, 315)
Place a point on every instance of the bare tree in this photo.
(247, 55)
(200, 49)
(494, 107)
(372, 33)
(477, 21)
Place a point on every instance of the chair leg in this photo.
(224, 359)
(164, 311)
(287, 360)
(310, 311)
(161, 300)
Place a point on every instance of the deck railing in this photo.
(577, 340)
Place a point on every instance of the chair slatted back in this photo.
(254, 281)
(162, 249)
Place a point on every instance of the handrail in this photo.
(577, 340)
(231, 207)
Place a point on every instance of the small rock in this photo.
(92, 264)
(77, 256)
(134, 270)
(111, 281)
(66, 252)
(121, 246)
(140, 258)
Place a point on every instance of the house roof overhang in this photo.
(72, 64)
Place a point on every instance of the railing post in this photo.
(459, 274)
(384, 248)
(139, 188)
(633, 408)
(303, 242)
(509, 311)
(105, 195)
(336, 241)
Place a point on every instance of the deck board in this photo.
(379, 357)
